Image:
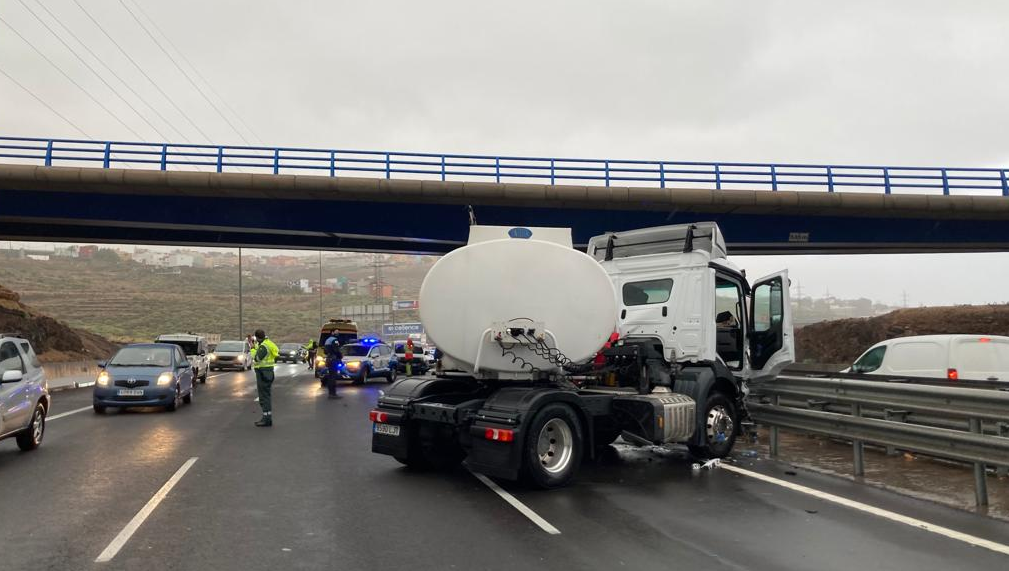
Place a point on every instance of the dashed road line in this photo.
(138, 520)
(515, 503)
(68, 413)
(887, 514)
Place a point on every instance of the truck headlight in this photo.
(212, 357)
(165, 378)
(103, 379)
(241, 358)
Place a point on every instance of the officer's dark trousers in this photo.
(264, 385)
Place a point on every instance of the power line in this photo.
(197, 71)
(47, 106)
(167, 97)
(70, 79)
(91, 69)
(113, 72)
(183, 72)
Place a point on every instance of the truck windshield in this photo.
(651, 291)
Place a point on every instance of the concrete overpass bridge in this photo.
(149, 193)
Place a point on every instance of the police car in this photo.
(368, 358)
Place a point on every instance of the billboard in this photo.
(401, 329)
(405, 304)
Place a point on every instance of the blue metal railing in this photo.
(445, 167)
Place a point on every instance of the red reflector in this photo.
(499, 434)
(984, 340)
(377, 416)
(952, 375)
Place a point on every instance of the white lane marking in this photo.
(68, 413)
(892, 516)
(515, 503)
(138, 520)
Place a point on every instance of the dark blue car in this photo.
(148, 374)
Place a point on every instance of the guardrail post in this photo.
(774, 178)
(858, 447)
(945, 182)
(662, 175)
(497, 169)
(886, 180)
(980, 483)
(49, 156)
(1005, 184)
(164, 157)
(718, 177)
(276, 161)
(220, 159)
(332, 163)
(388, 172)
(443, 168)
(551, 172)
(108, 155)
(773, 444)
(893, 416)
(830, 180)
(1003, 431)
(606, 168)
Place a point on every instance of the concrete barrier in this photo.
(71, 375)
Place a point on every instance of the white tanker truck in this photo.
(550, 354)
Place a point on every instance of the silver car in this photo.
(24, 393)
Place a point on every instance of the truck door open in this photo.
(771, 342)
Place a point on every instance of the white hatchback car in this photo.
(967, 357)
(24, 393)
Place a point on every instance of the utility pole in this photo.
(241, 325)
(904, 297)
(320, 289)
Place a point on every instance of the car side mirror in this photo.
(12, 377)
(102, 364)
(184, 365)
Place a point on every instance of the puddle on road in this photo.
(932, 479)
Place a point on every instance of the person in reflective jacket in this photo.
(264, 357)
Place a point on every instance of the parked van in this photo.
(968, 357)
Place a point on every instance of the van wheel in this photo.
(31, 437)
(721, 426)
(553, 447)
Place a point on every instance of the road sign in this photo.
(404, 304)
(401, 329)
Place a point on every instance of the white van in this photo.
(967, 357)
(195, 348)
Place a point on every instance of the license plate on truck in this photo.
(387, 429)
(130, 392)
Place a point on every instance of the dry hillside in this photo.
(843, 340)
(53, 340)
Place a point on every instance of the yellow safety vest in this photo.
(269, 359)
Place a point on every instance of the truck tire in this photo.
(721, 425)
(553, 447)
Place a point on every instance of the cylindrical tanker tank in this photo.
(470, 294)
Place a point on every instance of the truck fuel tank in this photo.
(660, 418)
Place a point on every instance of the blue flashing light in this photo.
(370, 341)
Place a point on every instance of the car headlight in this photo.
(354, 365)
(320, 360)
(294, 352)
(165, 378)
(103, 379)
(213, 357)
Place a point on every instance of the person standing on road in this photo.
(263, 359)
(333, 359)
(311, 347)
(408, 356)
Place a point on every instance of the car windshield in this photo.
(231, 347)
(290, 347)
(142, 357)
(188, 347)
(355, 350)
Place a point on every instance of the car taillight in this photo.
(984, 340)
(952, 375)
(378, 416)
(499, 434)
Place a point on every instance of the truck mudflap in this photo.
(393, 423)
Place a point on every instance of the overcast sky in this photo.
(916, 83)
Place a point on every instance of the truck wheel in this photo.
(721, 425)
(553, 447)
(31, 437)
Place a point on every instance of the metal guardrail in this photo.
(555, 170)
(945, 422)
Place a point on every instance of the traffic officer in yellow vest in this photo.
(264, 356)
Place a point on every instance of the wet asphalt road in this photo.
(309, 494)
